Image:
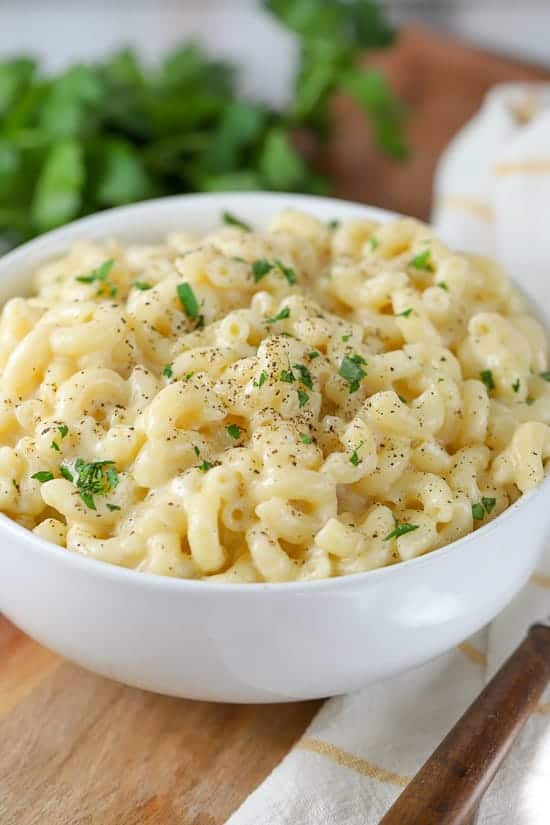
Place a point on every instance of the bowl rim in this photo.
(223, 200)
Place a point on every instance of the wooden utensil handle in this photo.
(449, 785)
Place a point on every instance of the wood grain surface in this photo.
(81, 750)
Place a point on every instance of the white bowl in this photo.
(253, 642)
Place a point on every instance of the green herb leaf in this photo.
(42, 476)
(313, 354)
(284, 313)
(401, 530)
(234, 431)
(141, 285)
(545, 375)
(404, 314)
(55, 446)
(303, 398)
(205, 466)
(287, 376)
(529, 401)
(478, 512)
(345, 338)
(334, 223)
(261, 380)
(260, 269)
(443, 285)
(168, 371)
(100, 274)
(488, 503)
(305, 439)
(305, 375)
(94, 478)
(58, 192)
(232, 220)
(487, 378)
(65, 472)
(423, 261)
(351, 371)
(374, 243)
(515, 385)
(112, 507)
(188, 300)
(287, 271)
(355, 460)
(63, 430)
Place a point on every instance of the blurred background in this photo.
(349, 97)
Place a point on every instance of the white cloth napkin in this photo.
(493, 197)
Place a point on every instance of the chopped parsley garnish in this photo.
(515, 385)
(95, 478)
(488, 503)
(188, 300)
(374, 243)
(65, 472)
(55, 446)
(112, 507)
(205, 466)
(42, 476)
(143, 286)
(100, 274)
(232, 220)
(401, 530)
(478, 511)
(351, 371)
(487, 378)
(261, 380)
(288, 272)
(261, 268)
(529, 400)
(345, 338)
(196, 450)
(443, 285)
(63, 430)
(284, 313)
(189, 375)
(305, 439)
(234, 431)
(168, 371)
(313, 354)
(545, 375)
(287, 376)
(423, 261)
(334, 223)
(305, 375)
(303, 398)
(405, 313)
(355, 460)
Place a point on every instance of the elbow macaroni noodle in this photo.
(304, 402)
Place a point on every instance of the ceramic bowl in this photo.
(252, 642)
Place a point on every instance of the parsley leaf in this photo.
(143, 286)
(261, 380)
(287, 376)
(405, 313)
(313, 354)
(351, 371)
(260, 269)
(303, 398)
(423, 261)
(443, 285)
(112, 507)
(55, 446)
(374, 243)
(284, 313)
(287, 271)
(65, 472)
(234, 431)
(305, 439)
(334, 223)
(63, 430)
(355, 460)
(205, 466)
(231, 220)
(101, 273)
(305, 375)
(545, 375)
(488, 503)
(345, 338)
(42, 476)
(168, 371)
(188, 300)
(515, 385)
(95, 478)
(401, 530)
(487, 378)
(478, 513)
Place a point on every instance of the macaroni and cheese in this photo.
(298, 403)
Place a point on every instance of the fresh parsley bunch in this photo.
(102, 135)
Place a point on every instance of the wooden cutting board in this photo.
(77, 749)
